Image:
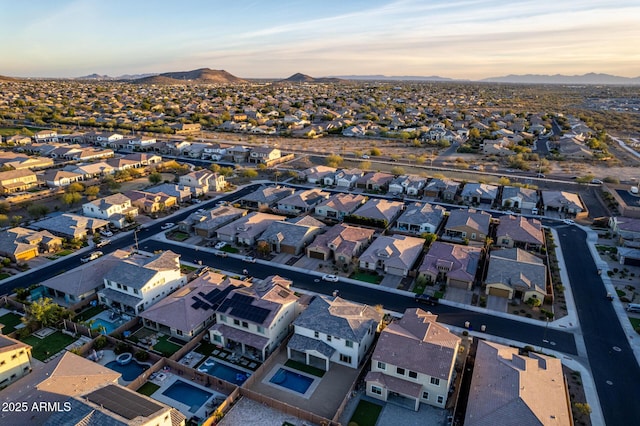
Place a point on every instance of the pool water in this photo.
(293, 381)
(108, 326)
(187, 394)
(129, 371)
(222, 371)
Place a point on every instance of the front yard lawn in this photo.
(10, 322)
(4, 275)
(635, 322)
(366, 413)
(367, 277)
(318, 372)
(178, 235)
(49, 346)
(229, 249)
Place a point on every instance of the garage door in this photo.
(500, 292)
(631, 261)
(316, 255)
(460, 284)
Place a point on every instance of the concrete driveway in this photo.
(496, 303)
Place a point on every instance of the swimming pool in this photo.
(222, 371)
(187, 394)
(129, 371)
(290, 380)
(99, 323)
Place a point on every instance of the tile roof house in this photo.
(420, 218)
(342, 243)
(565, 202)
(256, 319)
(291, 237)
(70, 225)
(627, 230)
(115, 208)
(415, 358)
(467, 224)
(408, 184)
(479, 193)
(58, 178)
(148, 202)
(445, 189)
(247, 229)
(316, 174)
(454, 264)
(333, 331)
(339, 205)
(13, 181)
(394, 254)
(182, 193)
(136, 283)
(189, 310)
(515, 274)
(375, 181)
(519, 231)
(302, 201)
(91, 170)
(206, 223)
(343, 178)
(507, 387)
(115, 405)
(83, 282)
(264, 155)
(265, 197)
(54, 382)
(378, 212)
(519, 198)
(21, 161)
(202, 181)
(21, 244)
(15, 360)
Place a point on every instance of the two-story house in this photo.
(407, 184)
(333, 331)
(255, 319)
(148, 202)
(13, 181)
(203, 181)
(115, 208)
(22, 244)
(519, 198)
(136, 283)
(413, 361)
(264, 155)
(15, 360)
(342, 243)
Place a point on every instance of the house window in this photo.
(119, 286)
(179, 332)
(473, 236)
(400, 371)
(435, 381)
(316, 334)
(425, 395)
(217, 338)
(236, 322)
(345, 358)
(348, 343)
(14, 356)
(413, 374)
(260, 329)
(245, 324)
(505, 241)
(328, 338)
(440, 399)
(382, 365)
(223, 318)
(377, 390)
(135, 291)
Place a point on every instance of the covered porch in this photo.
(312, 352)
(248, 344)
(126, 303)
(394, 390)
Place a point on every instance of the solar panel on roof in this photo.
(123, 402)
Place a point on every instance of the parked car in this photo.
(249, 259)
(106, 233)
(568, 222)
(220, 245)
(167, 225)
(596, 181)
(330, 278)
(103, 243)
(93, 256)
(426, 299)
(221, 253)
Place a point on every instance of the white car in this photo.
(365, 157)
(220, 245)
(330, 278)
(103, 243)
(167, 225)
(568, 222)
(596, 181)
(92, 256)
(106, 233)
(249, 259)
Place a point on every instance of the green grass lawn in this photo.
(4, 275)
(635, 322)
(229, 249)
(188, 268)
(50, 345)
(206, 348)
(367, 277)
(366, 413)
(64, 253)
(305, 368)
(178, 235)
(88, 313)
(165, 347)
(148, 389)
(10, 321)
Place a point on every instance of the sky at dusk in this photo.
(467, 39)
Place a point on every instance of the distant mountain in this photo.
(202, 76)
(395, 77)
(590, 78)
(94, 77)
(304, 78)
(4, 78)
